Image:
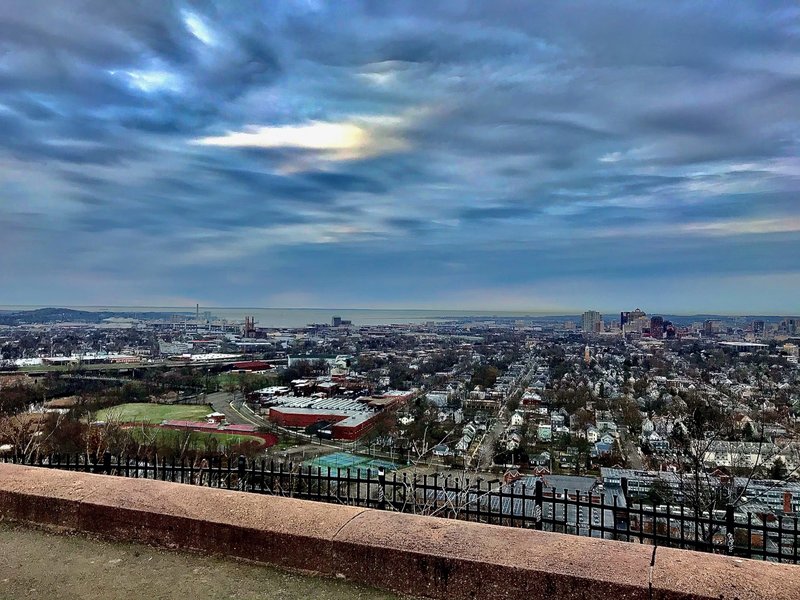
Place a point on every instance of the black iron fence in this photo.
(521, 503)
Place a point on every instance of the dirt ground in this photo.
(38, 564)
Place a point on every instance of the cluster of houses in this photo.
(469, 433)
(550, 425)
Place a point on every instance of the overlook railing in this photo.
(515, 504)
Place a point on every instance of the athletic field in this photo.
(145, 412)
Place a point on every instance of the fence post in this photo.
(381, 488)
(537, 505)
(242, 467)
(730, 525)
(107, 462)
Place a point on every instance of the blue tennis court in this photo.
(345, 460)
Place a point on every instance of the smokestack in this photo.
(198, 311)
(787, 502)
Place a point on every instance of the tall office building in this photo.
(636, 314)
(657, 327)
(592, 321)
(759, 328)
(633, 321)
(790, 326)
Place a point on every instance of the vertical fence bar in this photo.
(730, 526)
(241, 472)
(381, 488)
(537, 505)
(328, 486)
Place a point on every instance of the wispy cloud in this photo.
(355, 138)
(199, 29)
(745, 227)
(400, 152)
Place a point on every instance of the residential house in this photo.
(544, 432)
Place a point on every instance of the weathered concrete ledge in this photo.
(420, 556)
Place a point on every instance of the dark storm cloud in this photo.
(492, 146)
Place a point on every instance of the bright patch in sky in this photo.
(153, 81)
(335, 141)
(199, 29)
(755, 226)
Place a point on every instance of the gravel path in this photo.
(37, 564)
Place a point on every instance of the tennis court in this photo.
(344, 460)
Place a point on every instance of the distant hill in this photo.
(69, 315)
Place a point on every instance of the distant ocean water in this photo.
(299, 317)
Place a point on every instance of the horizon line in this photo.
(542, 313)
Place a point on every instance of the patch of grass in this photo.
(196, 440)
(145, 412)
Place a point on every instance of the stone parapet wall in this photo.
(415, 555)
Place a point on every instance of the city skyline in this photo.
(512, 157)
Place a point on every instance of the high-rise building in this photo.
(712, 326)
(657, 327)
(336, 321)
(628, 318)
(592, 321)
(636, 314)
(634, 321)
(790, 325)
(249, 327)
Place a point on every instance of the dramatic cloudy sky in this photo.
(492, 155)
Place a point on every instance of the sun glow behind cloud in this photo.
(352, 139)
